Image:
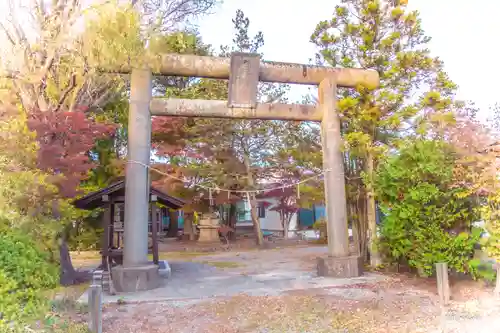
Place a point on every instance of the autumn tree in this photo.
(165, 16)
(484, 165)
(59, 95)
(435, 187)
(384, 36)
(230, 154)
(286, 203)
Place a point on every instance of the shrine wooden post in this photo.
(154, 228)
(107, 220)
(244, 72)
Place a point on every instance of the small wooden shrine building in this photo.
(112, 199)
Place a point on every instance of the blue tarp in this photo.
(180, 220)
(319, 212)
(307, 217)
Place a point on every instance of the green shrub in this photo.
(428, 216)
(25, 273)
(89, 239)
(320, 225)
(491, 216)
(482, 270)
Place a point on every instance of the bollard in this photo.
(95, 308)
(442, 283)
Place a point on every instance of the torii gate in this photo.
(244, 72)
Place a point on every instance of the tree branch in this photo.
(66, 92)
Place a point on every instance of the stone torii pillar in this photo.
(244, 72)
(137, 273)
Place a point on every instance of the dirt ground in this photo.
(174, 249)
(391, 303)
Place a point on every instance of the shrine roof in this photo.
(94, 200)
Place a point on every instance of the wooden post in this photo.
(95, 308)
(106, 223)
(442, 283)
(154, 229)
(174, 223)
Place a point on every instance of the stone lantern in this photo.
(209, 228)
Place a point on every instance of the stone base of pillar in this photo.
(340, 267)
(131, 279)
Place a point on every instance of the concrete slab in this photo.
(191, 280)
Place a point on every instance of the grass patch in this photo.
(71, 293)
(63, 314)
(65, 305)
(181, 255)
(85, 258)
(85, 255)
(89, 258)
(321, 241)
(222, 264)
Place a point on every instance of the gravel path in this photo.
(275, 291)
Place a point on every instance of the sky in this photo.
(463, 35)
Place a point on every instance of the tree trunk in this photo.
(360, 212)
(253, 204)
(371, 213)
(69, 275)
(286, 226)
(68, 272)
(232, 221)
(356, 230)
(173, 227)
(188, 226)
(255, 219)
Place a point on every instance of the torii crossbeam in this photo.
(244, 72)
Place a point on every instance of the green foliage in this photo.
(387, 37)
(25, 191)
(491, 215)
(481, 270)
(320, 225)
(227, 153)
(427, 217)
(25, 273)
(113, 35)
(87, 238)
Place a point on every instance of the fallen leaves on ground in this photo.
(277, 314)
(399, 303)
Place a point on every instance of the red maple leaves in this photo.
(65, 140)
(287, 199)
